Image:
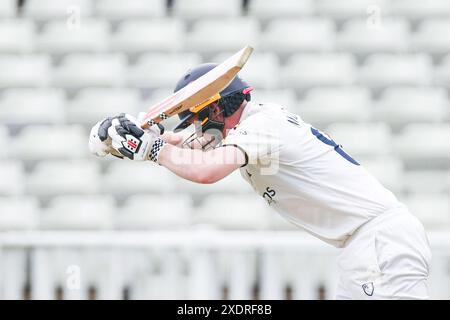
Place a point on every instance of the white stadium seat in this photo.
(328, 105)
(50, 178)
(432, 209)
(233, 212)
(222, 35)
(442, 72)
(371, 139)
(90, 70)
(139, 36)
(4, 140)
(419, 9)
(32, 106)
(127, 177)
(233, 183)
(78, 213)
(263, 9)
(288, 36)
(307, 70)
(423, 181)
(424, 141)
(404, 105)
(387, 70)
(91, 36)
(392, 35)
(388, 170)
(51, 142)
(284, 97)
(25, 70)
(61, 9)
(351, 8)
(8, 8)
(432, 36)
(200, 9)
(12, 180)
(170, 211)
(261, 71)
(130, 9)
(16, 36)
(154, 70)
(92, 104)
(18, 213)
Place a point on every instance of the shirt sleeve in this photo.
(257, 137)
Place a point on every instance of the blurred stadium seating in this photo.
(374, 74)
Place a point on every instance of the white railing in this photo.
(194, 264)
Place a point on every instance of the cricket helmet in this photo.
(228, 100)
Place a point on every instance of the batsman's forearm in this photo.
(196, 165)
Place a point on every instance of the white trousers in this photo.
(386, 258)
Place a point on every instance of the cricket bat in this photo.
(200, 91)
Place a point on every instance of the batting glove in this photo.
(99, 141)
(131, 141)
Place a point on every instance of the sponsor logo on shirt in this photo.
(269, 194)
(368, 288)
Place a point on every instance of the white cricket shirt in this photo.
(306, 176)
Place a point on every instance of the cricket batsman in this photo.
(300, 171)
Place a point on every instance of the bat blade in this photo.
(198, 91)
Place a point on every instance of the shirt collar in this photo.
(250, 108)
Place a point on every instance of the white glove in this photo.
(99, 141)
(131, 141)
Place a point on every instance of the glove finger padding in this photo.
(118, 139)
(129, 145)
(130, 126)
(103, 128)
